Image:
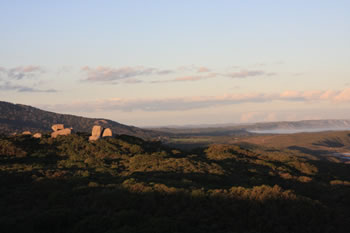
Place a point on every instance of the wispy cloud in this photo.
(189, 103)
(194, 68)
(343, 96)
(207, 74)
(20, 88)
(21, 72)
(133, 81)
(109, 74)
(248, 73)
(22, 79)
(188, 78)
(30, 89)
(203, 69)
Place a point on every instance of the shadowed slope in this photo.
(18, 118)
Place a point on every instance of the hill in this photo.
(125, 184)
(16, 118)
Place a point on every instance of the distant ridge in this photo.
(16, 118)
(331, 124)
(264, 127)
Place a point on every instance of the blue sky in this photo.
(178, 62)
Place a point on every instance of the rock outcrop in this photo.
(98, 132)
(107, 133)
(57, 127)
(66, 131)
(26, 133)
(37, 135)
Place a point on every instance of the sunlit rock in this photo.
(61, 132)
(107, 133)
(37, 135)
(57, 127)
(96, 133)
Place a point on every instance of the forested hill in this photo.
(125, 184)
(16, 118)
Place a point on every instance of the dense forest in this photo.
(126, 184)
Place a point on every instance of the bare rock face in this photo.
(26, 133)
(57, 127)
(97, 130)
(61, 132)
(107, 133)
(96, 133)
(37, 135)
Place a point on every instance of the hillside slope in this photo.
(16, 118)
(125, 184)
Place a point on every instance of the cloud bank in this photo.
(189, 103)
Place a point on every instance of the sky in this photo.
(160, 63)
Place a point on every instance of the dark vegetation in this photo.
(126, 184)
(16, 118)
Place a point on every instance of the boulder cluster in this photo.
(58, 129)
(36, 135)
(98, 132)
